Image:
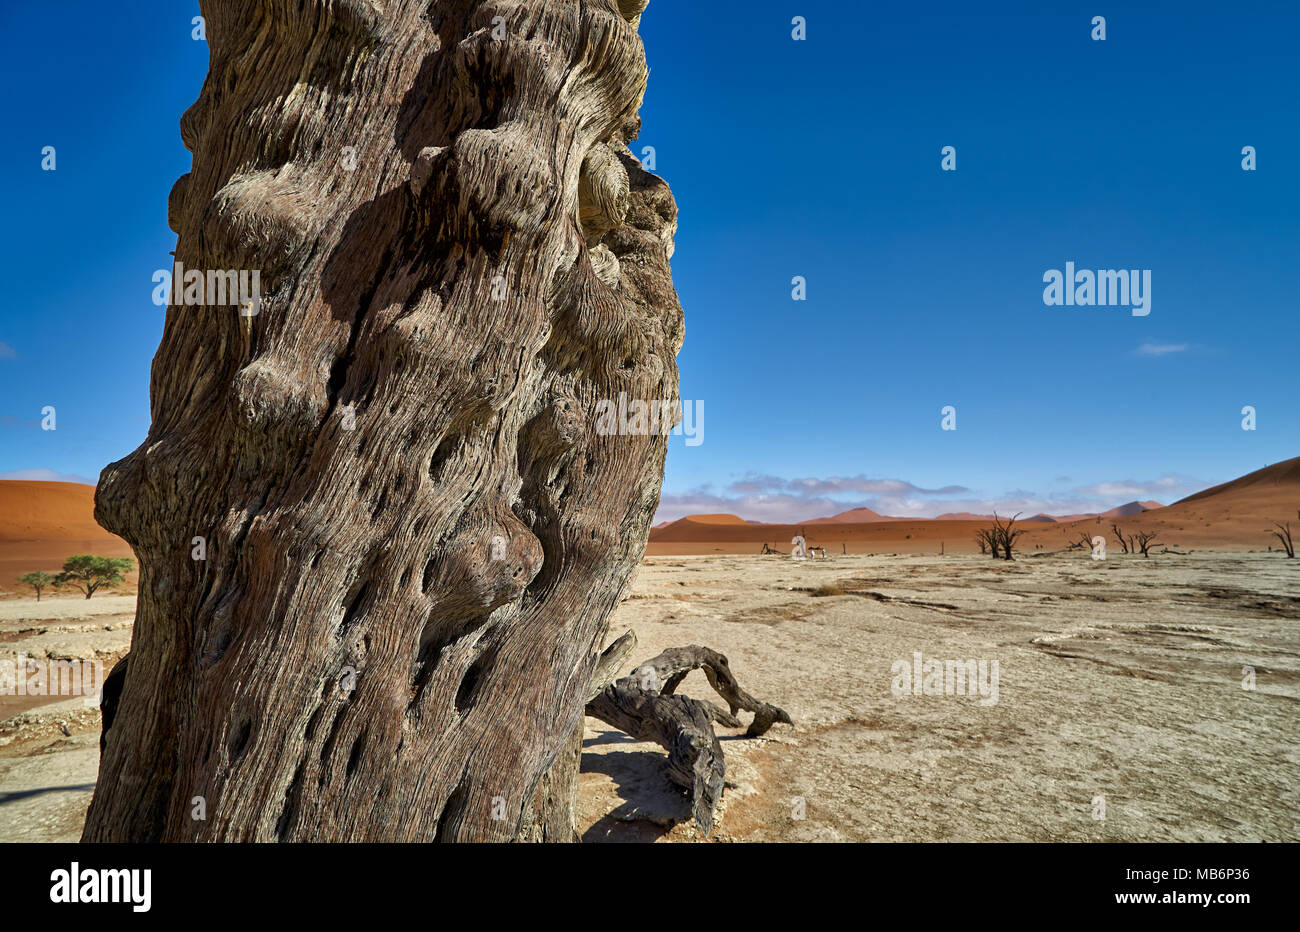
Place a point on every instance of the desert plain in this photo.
(1126, 707)
(1138, 698)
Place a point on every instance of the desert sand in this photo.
(48, 511)
(1120, 679)
(49, 746)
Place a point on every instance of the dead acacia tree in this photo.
(1005, 534)
(1283, 534)
(413, 531)
(1083, 542)
(987, 539)
(1144, 541)
(1126, 544)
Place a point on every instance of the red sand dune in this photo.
(48, 511)
(1261, 486)
(855, 516)
(1233, 516)
(44, 523)
(1120, 511)
(1137, 507)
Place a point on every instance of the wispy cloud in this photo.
(1170, 486)
(45, 475)
(1162, 349)
(834, 484)
(776, 500)
(7, 351)
(8, 420)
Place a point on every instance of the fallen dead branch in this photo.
(644, 705)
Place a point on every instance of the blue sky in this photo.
(821, 159)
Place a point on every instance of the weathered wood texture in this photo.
(644, 705)
(355, 659)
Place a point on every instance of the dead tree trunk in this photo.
(1004, 536)
(414, 526)
(1119, 536)
(1283, 534)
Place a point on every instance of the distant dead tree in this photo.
(1005, 535)
(1283, 533)
(987, 538)
(1084, 541)
(1144, 541)
(1119, 536)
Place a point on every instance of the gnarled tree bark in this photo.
(414, 532)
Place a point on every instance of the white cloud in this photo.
(45, 475)
(1162, 349)
(1170, 486)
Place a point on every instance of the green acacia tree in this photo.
(37, 581)
(89, 573)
